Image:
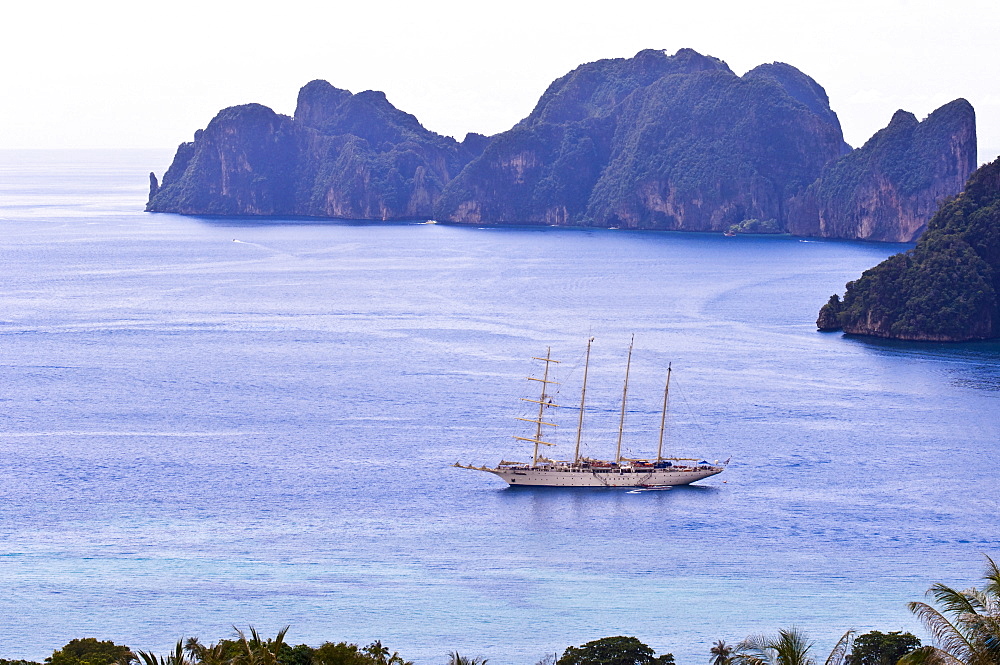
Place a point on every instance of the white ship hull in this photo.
(601, 477)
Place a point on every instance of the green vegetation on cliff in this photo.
(654, 141)
(889, 188)
(944, 289)
(756, 226)
(905, 152)
(242, 163)
(342, 155)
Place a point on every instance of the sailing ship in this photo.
(661, 472)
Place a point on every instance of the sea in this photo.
(209, 424)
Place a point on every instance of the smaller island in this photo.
(946, 289)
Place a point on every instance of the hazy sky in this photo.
(148, 74)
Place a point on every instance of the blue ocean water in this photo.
(209, 422)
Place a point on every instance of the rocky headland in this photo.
(946, 289)
(343, 155)
(657, 141)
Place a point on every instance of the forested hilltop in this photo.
(947, 288)
(657, 141)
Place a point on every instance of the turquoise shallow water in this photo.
(210, 422)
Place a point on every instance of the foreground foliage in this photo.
(878, 648)
(965, 626)
(789, 647)
(89, 651)
(455, 659)
(619, 650)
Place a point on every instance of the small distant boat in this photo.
(652, 474)
(729, 234)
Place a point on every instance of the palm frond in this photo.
(148, 658)
(793, 648)
(177, 657)
(754, 650)
(751, 659)
(927, 655)
(948, 637)
(721, 653)
(789, 647)
(279, 639)
(246, 655)
(952, 600)
(840, 649)
(194, 648)
(981, 599)
(992, 577)
(455, 659)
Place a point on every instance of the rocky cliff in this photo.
(947, 288)
(656, 142)
(342, 155)
(888, 189)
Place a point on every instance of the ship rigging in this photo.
(586, 472)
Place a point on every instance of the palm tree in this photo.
(789, 647)
(213, 654)
(455, 659)
(256, 651)
(175, 658)
(966, 628)
(722, 653)
(380, 655)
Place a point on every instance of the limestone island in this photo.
(656, 141)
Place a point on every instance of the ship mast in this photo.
(583, 396)
(544, 402)
(621, 422)
(663, 417)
